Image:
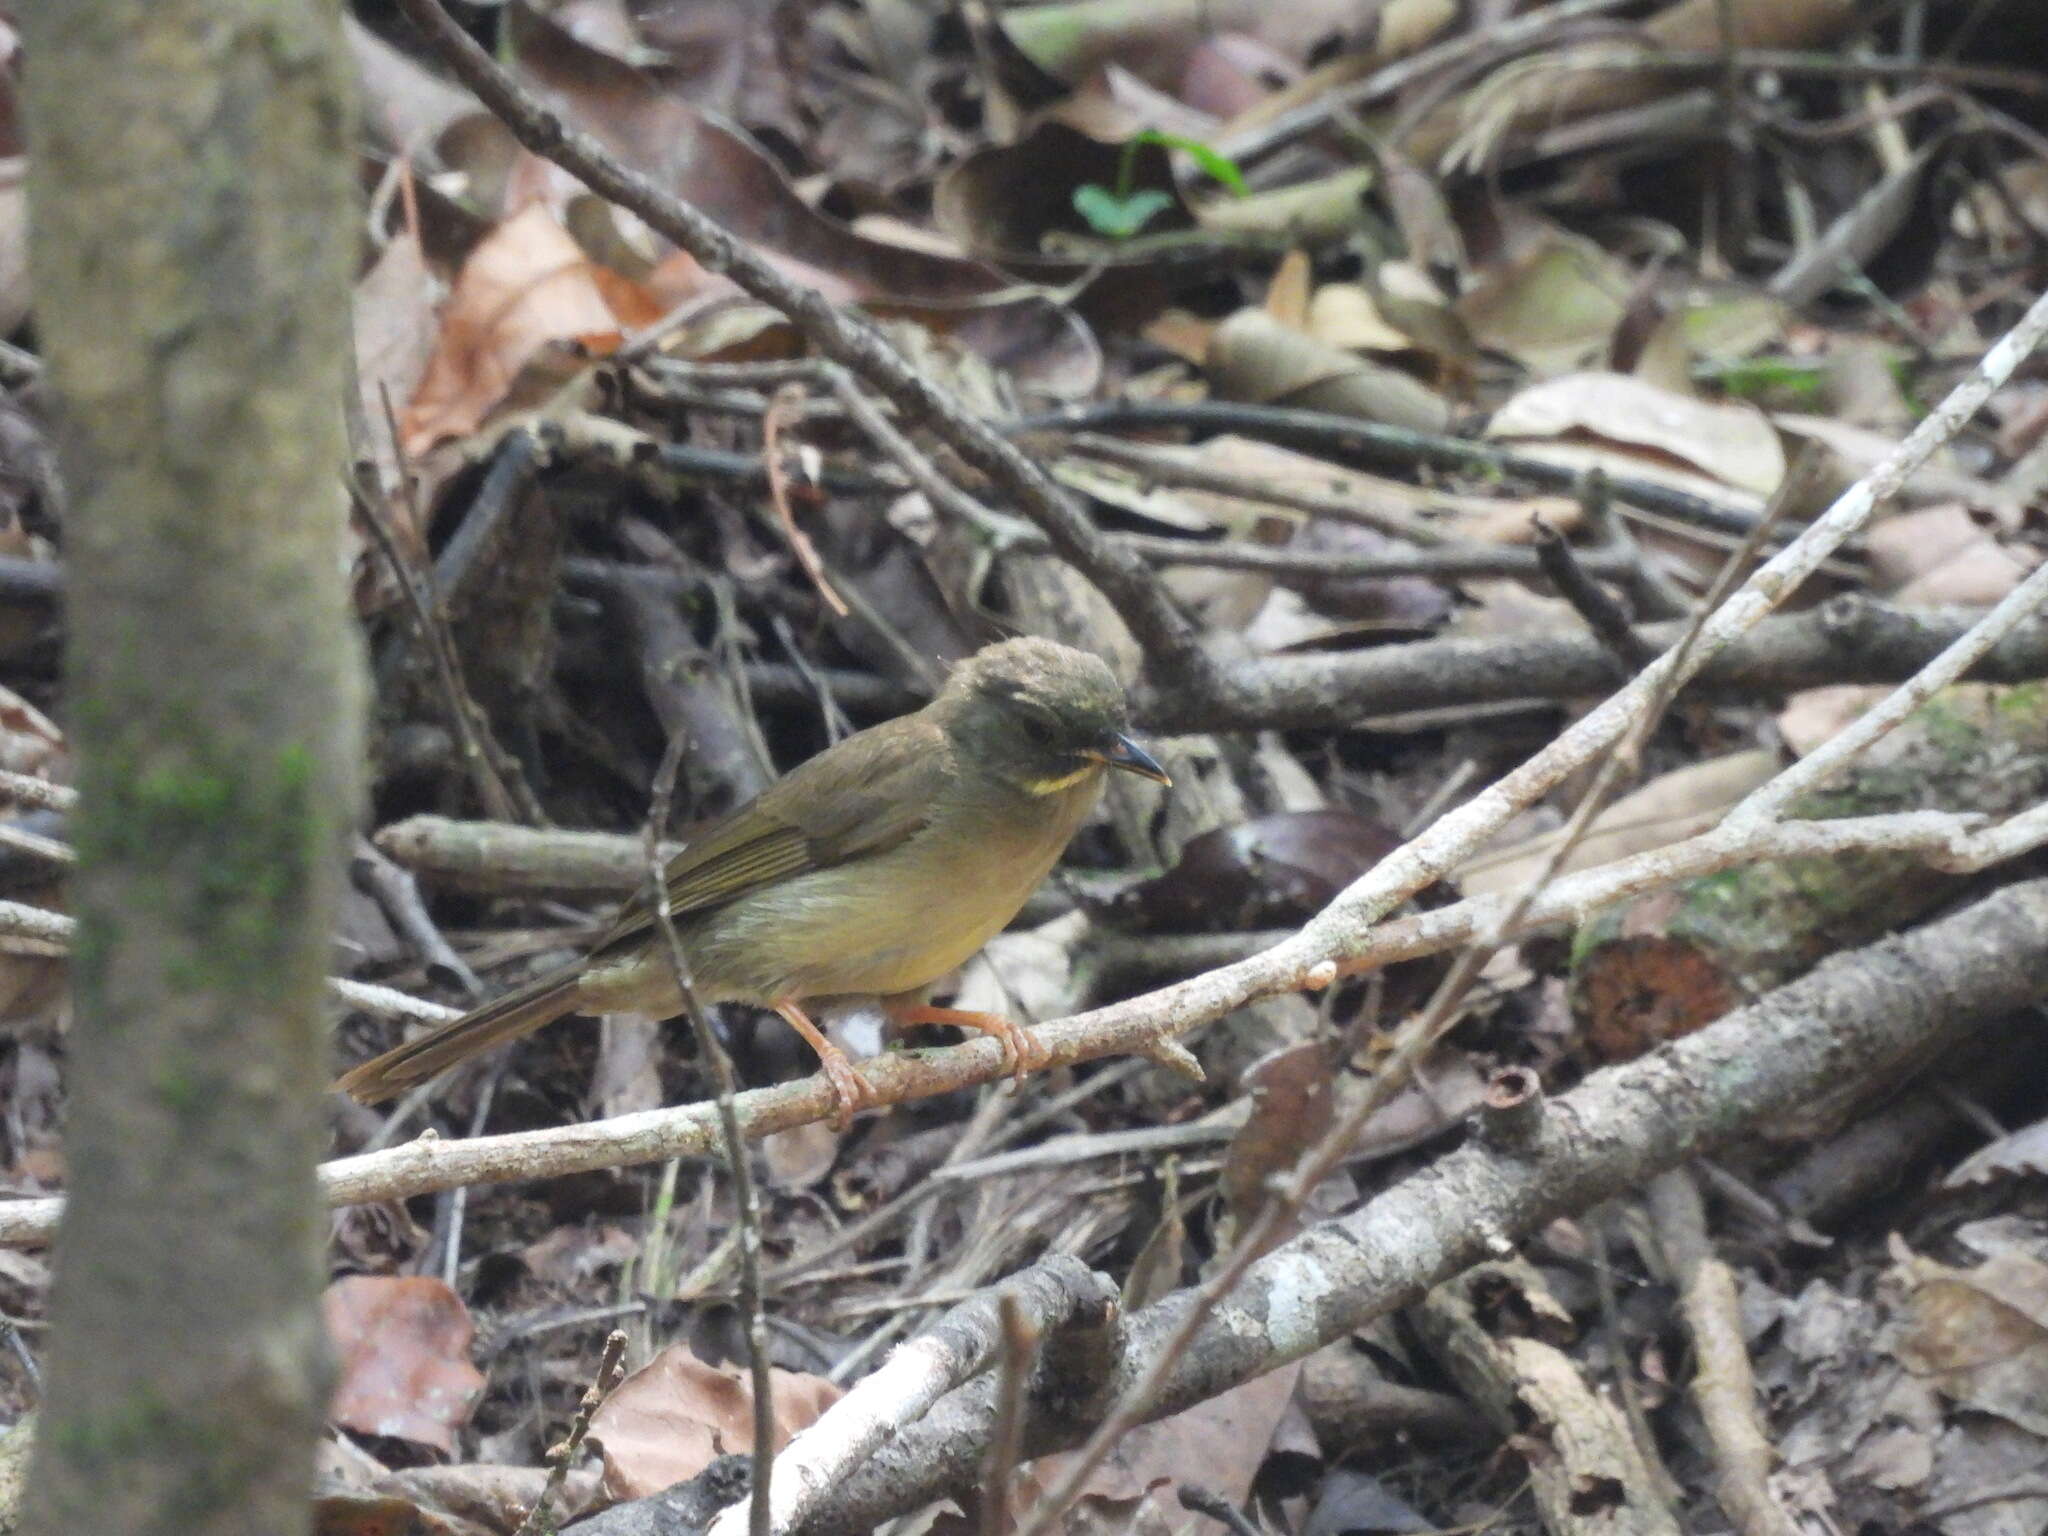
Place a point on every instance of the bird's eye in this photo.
(1040, 730)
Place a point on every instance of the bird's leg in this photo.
(851, 1090)
(1021, 1053)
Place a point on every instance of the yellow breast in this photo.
(900, 920)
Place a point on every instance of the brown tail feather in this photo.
(517, 1013)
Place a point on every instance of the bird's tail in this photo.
(517, 1013)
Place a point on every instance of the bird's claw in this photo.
(851, 1092)
(1022, 1052)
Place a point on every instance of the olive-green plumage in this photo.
(873, 869)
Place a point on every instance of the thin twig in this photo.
(35, 846)
(1394, 1073)
(463, 713)
(781, 405)
(455, 1205)
(10, 1330)
(1345, 931)
(39, 793)
(1603, 615)
(398, 894)
(1217, 1508)
(746, 1204)
(1163, 466)
(611, 1367)
(1724, 1383)
(1020, 1353)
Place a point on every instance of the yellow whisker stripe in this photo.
(1065, 781)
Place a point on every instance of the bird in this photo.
(871, 870)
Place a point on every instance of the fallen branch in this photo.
(1848, 639)
(1724, 1383)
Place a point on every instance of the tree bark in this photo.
(192, 182)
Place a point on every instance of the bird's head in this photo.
(1042, 715)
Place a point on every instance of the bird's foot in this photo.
(851, 1092)
(1022, 1054)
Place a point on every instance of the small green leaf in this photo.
(1118, 218)
(1215, 165)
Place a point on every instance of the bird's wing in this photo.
(839, 806)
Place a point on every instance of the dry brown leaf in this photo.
(1413, 303)
(1975, 576)
(1291, 1106)
(800, 1156)
(1217, 1445)
(1859, 450)
(1344, 315)
(1182, 333)
(403, 1345)
(1732, 442)
(1499, 608)
(1264, 872)
(1907, 545)
(1150, 38)
(488, 1496)
(1312, 213)
(728, 175)
(1132, 491)
(1812, 715)
(572, 1254)
(1973, 1457)
(1157, 40)
(395, 334)
(1287, 293)
(2023, 1152)
(404, 104)
(1007, 200)
(1980, 1335)
(337, 1513)
(1647, 989)
(526, 285)
(1227, 75)
(671, 1418)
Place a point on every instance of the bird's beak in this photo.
(1126, 754)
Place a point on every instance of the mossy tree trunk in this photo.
(192, 183)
